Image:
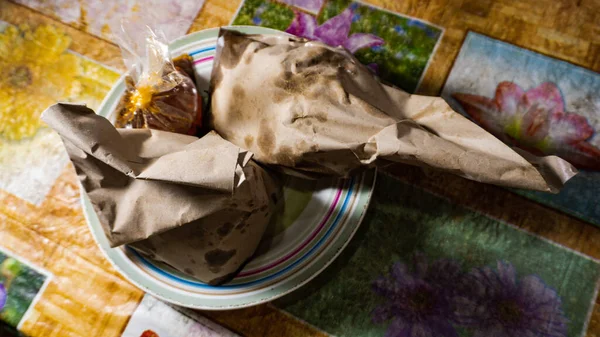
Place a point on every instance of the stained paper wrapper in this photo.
(315, 110)
(199, 205)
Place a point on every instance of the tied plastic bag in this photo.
(160, 93)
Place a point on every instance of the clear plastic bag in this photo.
(160, 93)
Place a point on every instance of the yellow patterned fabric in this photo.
(37, 70)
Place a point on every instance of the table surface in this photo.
(437, 215)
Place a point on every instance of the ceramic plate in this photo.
(316, 223)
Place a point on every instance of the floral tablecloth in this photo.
(436, 255)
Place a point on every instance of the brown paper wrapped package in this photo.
(199, 205)
(314, 110)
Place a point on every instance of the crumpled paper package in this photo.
(199, 205)
(315, 110)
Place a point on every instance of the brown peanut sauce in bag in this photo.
(172, 103)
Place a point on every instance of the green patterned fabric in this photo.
(409, 226)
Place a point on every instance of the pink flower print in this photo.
(534, 120)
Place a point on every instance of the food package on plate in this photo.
(315, 110)
(200, 205)
(160, 93)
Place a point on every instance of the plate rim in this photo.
(86, 205)
(369, 176)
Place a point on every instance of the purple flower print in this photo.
(419, 301)
(497, 304)
(333, 32)
(377, 49)
(400, 30)
(3, 296)
(312, 6)
(417, 23)
(374, 67)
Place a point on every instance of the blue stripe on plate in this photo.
(195, 52)
(267, 278)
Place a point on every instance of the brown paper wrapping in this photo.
(199, 205)
(314, 110)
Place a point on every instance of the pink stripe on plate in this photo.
(208, 58)
(304, 244)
